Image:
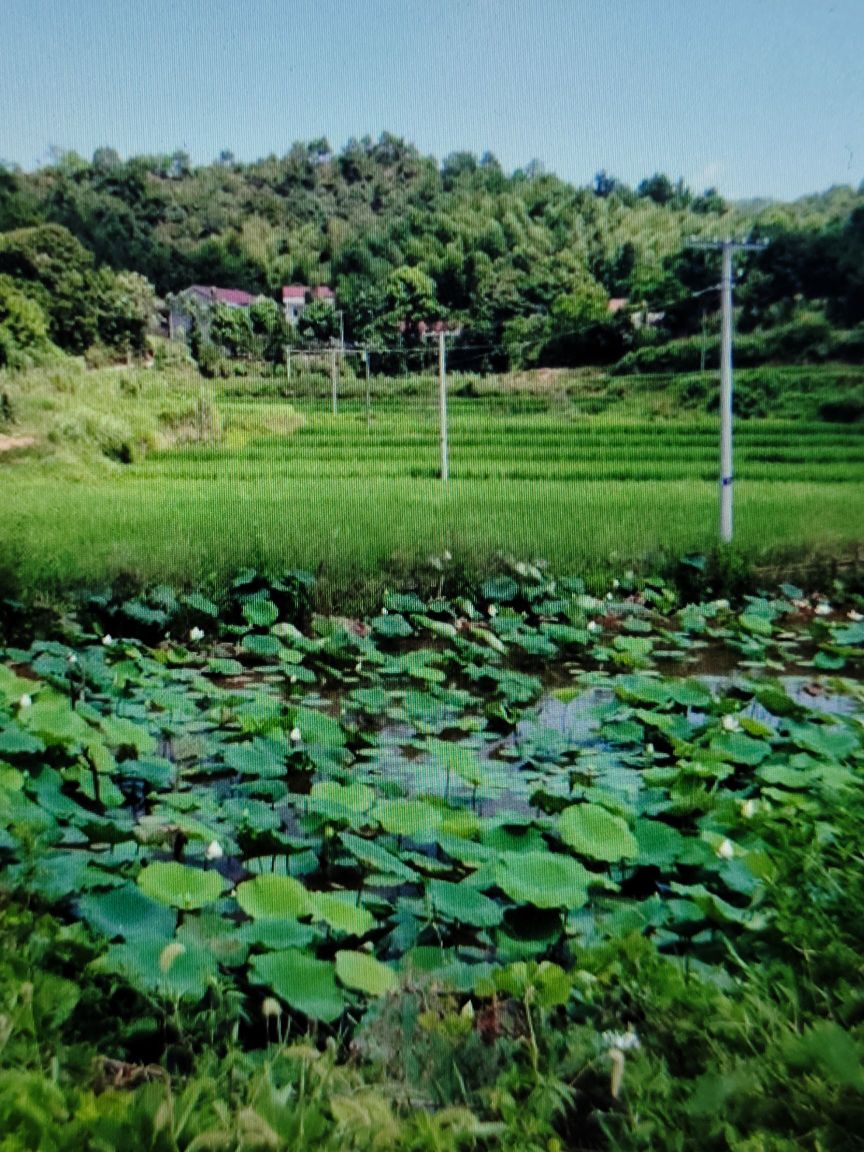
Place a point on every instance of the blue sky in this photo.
(758, 97)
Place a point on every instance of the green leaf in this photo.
(542, 879)
(306, 984)
(391, 627)
(592, 831)
(341, 801)
(501, 589)
(463, 904)
(180, 886)
(740, 749)
(260, 611)
(341, 913)
(363, 973)
(127, 912)
(274, 897)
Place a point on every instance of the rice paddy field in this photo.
(283, 482)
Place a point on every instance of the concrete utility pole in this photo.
(727, 247)
(442, 403)
(368, 397)
(334, 380)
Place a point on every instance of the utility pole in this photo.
(288, 362)
(727, 247)
(368, 397)
(341, 331)
(442, 403)
(334, 380)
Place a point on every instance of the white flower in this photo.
(624, 1041)
(726, 851)
(446, 557)
(593, 626)
(855, 616)
(521, 568)
(358, 667)
(25, 701)
(295, 736)
(823, 609)
(749, 808)
(292, 679)
(196, 634)
(214, 851)
(616, 583)
(649, 749)
(72, 658)
(609, 596)
(721, 605)
(729, 723)
(383, 611)
(493, 611)
(107, 640)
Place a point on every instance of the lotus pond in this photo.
(316, 817)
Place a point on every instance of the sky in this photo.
(755, 97)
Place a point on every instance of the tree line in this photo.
(523, 263)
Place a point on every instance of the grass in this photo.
(219, 482)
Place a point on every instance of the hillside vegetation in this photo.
(524, 262)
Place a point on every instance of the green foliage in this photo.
(696, 982)
(402, 238)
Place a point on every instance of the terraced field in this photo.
(284, 484)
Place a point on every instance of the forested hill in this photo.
(519, 260)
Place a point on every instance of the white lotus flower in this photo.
(749, 808)
(609, 596)
(729, 723)
(624, 1041)
(214, 851)
(593, 626)
(384, 612)
(726, 851)
(25, 701)
(358, 667)
(823, 609)
(616, 583)
(107, 640)
(295, 737)
(72, 658)
(446, 557)
(292, 679)
(196, 634)
(493, 611)
(854, 616)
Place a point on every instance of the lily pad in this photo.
(306, 984)
(593, 832)
(180, 886)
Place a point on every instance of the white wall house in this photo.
(296, 297)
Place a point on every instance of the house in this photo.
(196, 303)
(640, 317)
(296, 298)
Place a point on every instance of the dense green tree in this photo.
(23, 327)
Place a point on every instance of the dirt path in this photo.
(11, 443)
